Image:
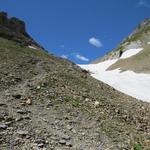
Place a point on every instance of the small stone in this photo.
(74, 131)
(22, 133)
(83, 133)
(3, 126)
(40, 145)
(66, 137)
(49, 105)
(19, 119)
(69, 127)
(54, 138)
(29, 101)
(38, 87)
(87, 99)
(69, 144)
(62, 142)
(39, 141)
(8, 123)
(21, 111)
(96, 104)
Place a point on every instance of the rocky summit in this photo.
(14, 29)
(50, 103)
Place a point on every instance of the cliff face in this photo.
(15, 30)
(13, 23)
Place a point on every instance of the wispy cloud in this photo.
(95, 42)
(143, 3)
(62, 46)
(82, 58)
(76, 56)
(64, 56)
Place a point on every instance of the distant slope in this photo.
(140, 38)
(139, 63)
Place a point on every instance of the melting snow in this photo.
(128, 82)
(32, 47)
(131, 52)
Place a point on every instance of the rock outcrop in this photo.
(14, 29)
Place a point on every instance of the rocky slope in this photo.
(48, 103)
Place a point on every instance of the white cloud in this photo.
(95, 42)
(64, 56)
(143, 3)
(82, 58)
(62, 46)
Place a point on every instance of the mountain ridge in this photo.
(14, 29)
(134, 40)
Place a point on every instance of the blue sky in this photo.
(80, 30)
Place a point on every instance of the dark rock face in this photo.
(3, 18)
(15, 30)
(13, 23)
(17, 25)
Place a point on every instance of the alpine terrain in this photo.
(127, 67)
(50, 103)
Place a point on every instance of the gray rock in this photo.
(62, 141)
(8, 123)
(3, 126)
(22, 133)
(66, 137)
(22, 111)
(69, 127)
(68, 143)
(40, 145)
(18, 119)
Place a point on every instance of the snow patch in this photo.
(130, 53)
(148, 43)
(131, 83)
(32, 47)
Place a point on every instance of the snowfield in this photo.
(32, 47)
(130, 53)
(134, 84)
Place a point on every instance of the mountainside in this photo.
(49, 103)
(127, 67)
(139, 38)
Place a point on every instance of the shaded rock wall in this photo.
(15, 30)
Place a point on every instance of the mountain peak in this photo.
(13, 23)
(14, 29)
